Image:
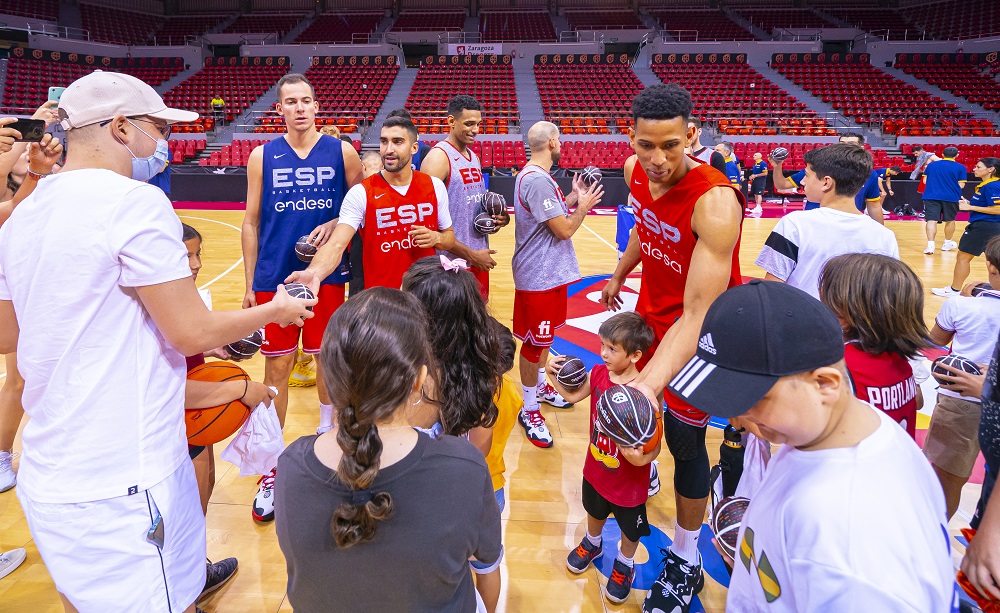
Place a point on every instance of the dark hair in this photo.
(993, 163)
(400, 113)
(12, 184)
(857, 135)
(879, 301)
(464, 342)
(992, 252)
(346, 138)
(848, 165)
(294, 77)
(372, 352)
(917, 148)
(662, 101)
(399, 121)
(461, 103)
(508, 346)
(896, 169)
(629, 331)
(189, 233)
(695, 121)
(950, 152)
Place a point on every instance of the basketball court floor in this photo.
(544, 517)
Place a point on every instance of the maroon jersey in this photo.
(884, 380)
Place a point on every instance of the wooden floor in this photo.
(544, 517)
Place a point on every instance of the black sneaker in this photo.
(581, 557)
(676, 586)
(217, 574)
(620, 582)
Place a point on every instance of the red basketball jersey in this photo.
(389, 216)
(885, 381)
(667, 241)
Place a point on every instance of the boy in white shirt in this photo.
(803, 241)
(849, 516)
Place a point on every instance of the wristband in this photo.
(36, 176)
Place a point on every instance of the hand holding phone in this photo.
(8, 135)
(55, 93)
(30, 130)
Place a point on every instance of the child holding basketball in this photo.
(615, 479)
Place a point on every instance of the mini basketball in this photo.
(494, 203)
(779, 154)
(246, 348)
(955, 361)
(211, 425)
(298, 290)
(627, 416)
(980, 288)
(726, 520)
(573, 373)
(484, 224)
(591, 175)
(304, 249)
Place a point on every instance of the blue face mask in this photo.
(144, 169)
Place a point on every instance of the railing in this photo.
(173, 41)
(580, 36)
(58, 31)
(683, 35)
(375, 38)
(885, 34)
(783, 34)
(260, 38)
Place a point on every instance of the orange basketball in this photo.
(657, 436)
(211, 425)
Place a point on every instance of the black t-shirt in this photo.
(445, 511)
(989, 425)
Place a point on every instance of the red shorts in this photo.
(537, 315)
(677, 407)
(282, 341)
(483, 276)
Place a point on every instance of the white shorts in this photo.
(100, 559)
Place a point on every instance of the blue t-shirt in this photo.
(987, 195)
(422, 149)
(869, 191)
(296, 196)
(942, 180)
(758, 169)
(733, 171)
(162, 179)
(796, 180)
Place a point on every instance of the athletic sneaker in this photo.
(654, 479)
(757, 212)
(945, 292)
(217, 574)
(549, 395)
(263, 502)
(323, 429)
(949, 246)
(676, 586)
(580, 558)
(535, 428)
(304, 371)
(8, 478)
(620, 582)
(10, 560)
(930, 248)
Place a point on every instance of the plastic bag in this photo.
(257, 445)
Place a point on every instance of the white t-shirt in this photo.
(976, 324)
(839, 530)
(352, 209)
(104, 390)
(804, 241)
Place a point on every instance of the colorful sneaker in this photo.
(580, 558)
(263, 502)
(654, 479)
(217, 574)
(949, 246)
(10, 560)
(304, 371)
(8, 478)
(945, 292)
(535, 428)
(620, 582)
(676, 586)
(549, 395)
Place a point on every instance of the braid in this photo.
(354, 521)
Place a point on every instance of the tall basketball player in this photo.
(702, 153)
(459, 167)
(688, 228)
(295, 186)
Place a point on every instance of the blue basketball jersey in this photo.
(296, 196)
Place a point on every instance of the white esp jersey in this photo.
(466, 186)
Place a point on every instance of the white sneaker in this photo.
(945, 292)
(534, 427)
(10, 560)
(930, 248)
(8, 478)
(949, 246)
(757, 212)
(263, 502)
(549, 395)
(654, 479)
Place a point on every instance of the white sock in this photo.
(541, 377)
(686, 544)
(630, 562)
(325, 415)
(594, 540)
(930, 244)
(530, 397)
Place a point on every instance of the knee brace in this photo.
(691, 467)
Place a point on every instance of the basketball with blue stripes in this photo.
(627, 416)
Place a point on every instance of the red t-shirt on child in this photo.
(885, 381)
(618, 480)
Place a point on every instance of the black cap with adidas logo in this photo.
(753, 335)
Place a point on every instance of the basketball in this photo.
(955, 361)
(304, 249)
(726, 520)
(573, 373)
(484, 224)
(298, 290)
(494, 203)
(980, 288)
(246, 348)
(591, 175)
(626, 416)
(779, 154)
(211, 425)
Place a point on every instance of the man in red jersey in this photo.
(688, 218)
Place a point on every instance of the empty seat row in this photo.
(516, 26)
(339, 27)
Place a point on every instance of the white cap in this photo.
(101, 96)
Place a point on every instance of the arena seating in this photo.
(709, 24)
(264, 23)
(514, 26)
(38, 9)
(881, 20)
(339, 27)
(744, 153)
(962, 20)
(777, 19)
(586, 98)
(874, 98)
(28, 80)
(240, 86)
(501, 154)
(603, 154)
(183, 150)
(436, 21)
(237, 153)
(969, 81)
(603, 20)
(722, 94)
(177, 29)
(968, 154)
(113, 25)
(492, 85)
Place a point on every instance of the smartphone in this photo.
(155, 533)
(55, 93)
(32, 130)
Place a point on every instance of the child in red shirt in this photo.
(880, 303)
(615, 480)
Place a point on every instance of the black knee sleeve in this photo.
(687, 445)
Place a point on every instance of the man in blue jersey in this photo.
(885, 176)
(733, 169)
(295, 186)
(758, 183)
(945, 181)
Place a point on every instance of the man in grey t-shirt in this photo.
(544, 265)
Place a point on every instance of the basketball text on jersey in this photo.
(893, 397)
(297, 178)
(406, 214)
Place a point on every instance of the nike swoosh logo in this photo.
(377, 196)
(454, 159)
(278, 156)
